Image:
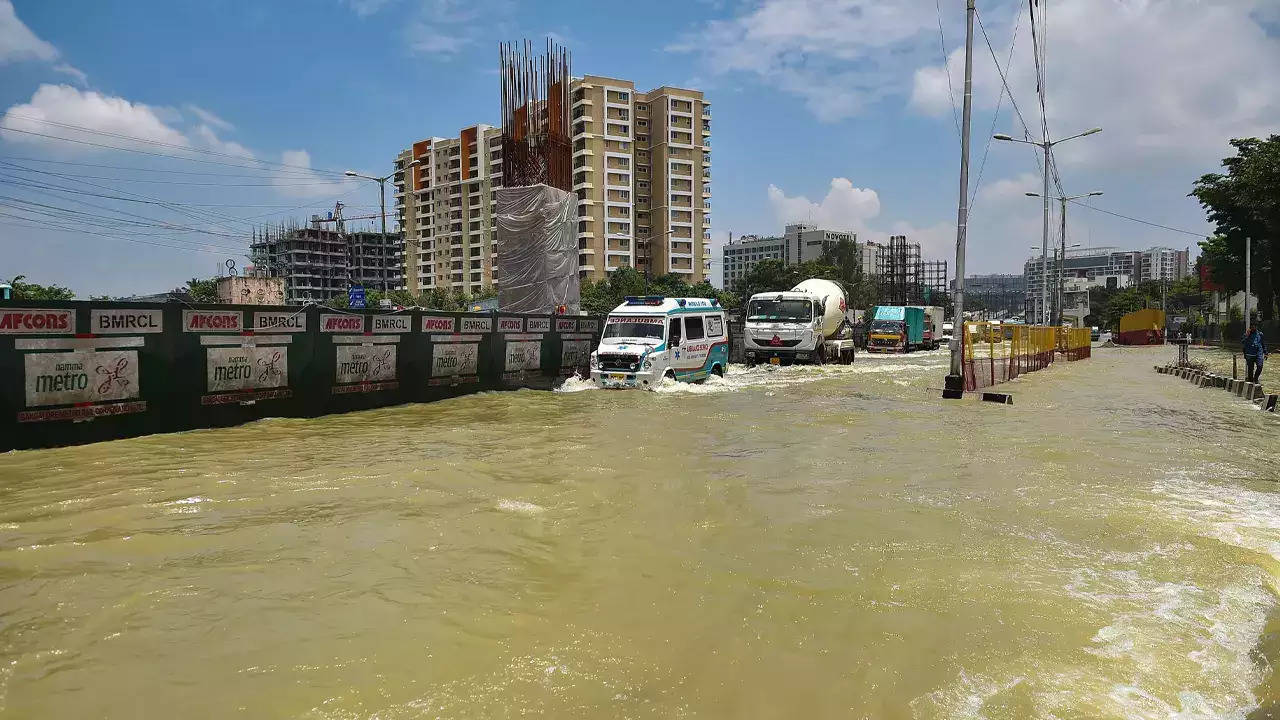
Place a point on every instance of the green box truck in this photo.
(895, 328)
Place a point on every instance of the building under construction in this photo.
(321, 261)
(905, 278)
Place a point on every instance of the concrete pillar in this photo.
(1242, 387)
(1255, 391)
(1270, 403)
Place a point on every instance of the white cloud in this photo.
(17, 42)
(444, 28)
(845, 207)
(1167, 80)
(299, 181)
(850, 208)
(74, 72)
(210, 139)
(1006, 189)
(427, 41)
(839, 55)
(365, 8)
(207, 117)
(87, 109)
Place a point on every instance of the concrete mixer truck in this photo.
(807, 324)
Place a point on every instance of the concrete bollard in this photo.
(1255, 392)
(1270, 403)
(1242, 389)
(1002, 398)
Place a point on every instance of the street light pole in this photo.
(1047, 146)
(382, 203)
(1061, 258)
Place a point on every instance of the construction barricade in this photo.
(1074, 343)
(996, 353)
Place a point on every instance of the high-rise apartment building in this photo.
(641, 171)
(445, 203)
(1161, 263)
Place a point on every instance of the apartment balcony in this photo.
(585, 268)
(584, 152)
(585, 185)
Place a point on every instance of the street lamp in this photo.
(1045, 145)
(382, 202)
(1059, 263)
(1064, 200)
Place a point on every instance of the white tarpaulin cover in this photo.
(537, 249)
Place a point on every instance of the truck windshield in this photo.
(780, 310)
(891, 326)
(629, 328)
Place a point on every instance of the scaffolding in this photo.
(906, 279)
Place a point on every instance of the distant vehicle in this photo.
(1094, 333)
(809, 323)
(895, 328)
(933, 321)
(948, 331)
(648, 339)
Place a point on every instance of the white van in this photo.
(650, 338)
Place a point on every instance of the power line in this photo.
(184, 148)
(272, 172)
(140, 151)
(131, 239)
(946, 68)
(200, 215)
(1200, 235)
(1004, 89)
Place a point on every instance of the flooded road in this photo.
(796, 543)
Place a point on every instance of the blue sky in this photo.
(833, 110)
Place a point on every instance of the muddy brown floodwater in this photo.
(794, 543)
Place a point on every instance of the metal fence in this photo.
(1074, 343)
(995, 353)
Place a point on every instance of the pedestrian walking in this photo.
(1254, 353)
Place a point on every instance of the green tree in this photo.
(23, 290)
(202, 291)
(1244, 203)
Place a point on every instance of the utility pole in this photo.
(1248, 277)
(1047, 146)
(953, 387)
(1062, 260)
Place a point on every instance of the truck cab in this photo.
(896, 329)
(807, 324)
(649, 339)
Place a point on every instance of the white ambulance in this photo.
(647, 339)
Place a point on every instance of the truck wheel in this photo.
(717, 371)
(820, 355)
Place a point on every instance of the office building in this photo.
(641, 171)
(1104, 267)
(998, 295)
(741, 255)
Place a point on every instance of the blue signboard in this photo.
(355, 297)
